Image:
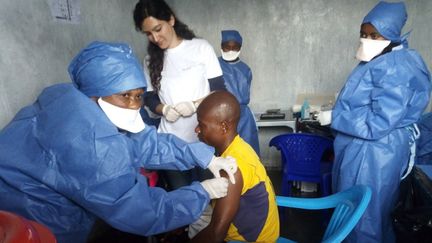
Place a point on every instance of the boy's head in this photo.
(218, 116)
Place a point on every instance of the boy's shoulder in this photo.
(241, 151)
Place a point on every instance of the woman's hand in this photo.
(170, 113)
(185, 108)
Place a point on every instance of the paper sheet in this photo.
(67, 11)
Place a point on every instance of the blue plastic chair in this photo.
(301, 155)
(348, 205)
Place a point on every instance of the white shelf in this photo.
(289, 121)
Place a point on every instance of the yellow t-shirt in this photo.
(257, 219)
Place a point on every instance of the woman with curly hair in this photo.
(183, 69)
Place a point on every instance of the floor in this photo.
(297, 224)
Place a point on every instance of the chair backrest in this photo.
(301, 152)
(16, 229)
(349, 206)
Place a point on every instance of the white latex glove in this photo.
(216, 187)
(227, 164)
(185, 108)
(198, 102)
(201, 223)
(324, 117)
(170, 113)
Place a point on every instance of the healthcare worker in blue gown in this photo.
(238, 78)
(374, 118)
(74, 155)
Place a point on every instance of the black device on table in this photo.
(272, 114)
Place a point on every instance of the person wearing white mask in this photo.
(183, 70)
(74, 156)
(238, 79)
(374, 118)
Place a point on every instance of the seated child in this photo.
(249, 211)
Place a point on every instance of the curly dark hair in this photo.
(160, 10)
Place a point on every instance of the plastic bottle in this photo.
(328, 106)
(305, 110)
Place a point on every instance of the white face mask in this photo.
(126, 119)
(370, 48)
(230, 55)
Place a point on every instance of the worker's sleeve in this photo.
(166, 151)
(151, 100)
(105, 180)
(372, 111)
(127, 203)
(217, 83)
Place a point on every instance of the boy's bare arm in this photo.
(223, 213)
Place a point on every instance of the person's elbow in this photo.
(219, 233)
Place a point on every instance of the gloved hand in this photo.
(170, 113)
(198, 101)
(324, 117)
(185, 108)
(227, 164)
(201, 222)
(216, 187)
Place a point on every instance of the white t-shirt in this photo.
(187, 68)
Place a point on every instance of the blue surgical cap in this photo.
(231, 35)
(388, 19)
(103, 69)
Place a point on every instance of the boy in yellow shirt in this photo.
(249, 211)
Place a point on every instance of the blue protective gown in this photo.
(380, 99)
(63, 163)
(238, 78)
(424, 143)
